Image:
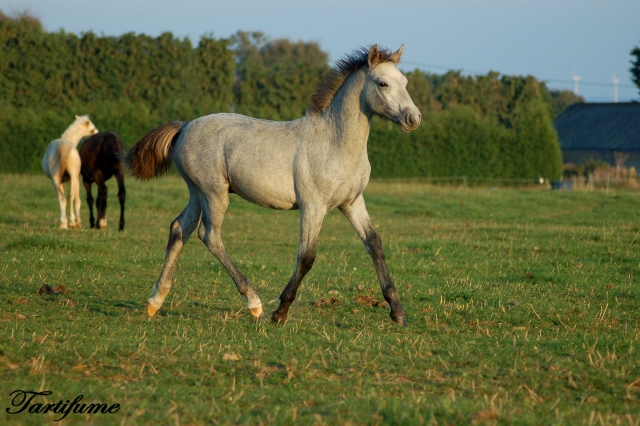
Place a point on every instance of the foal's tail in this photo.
(151, 156)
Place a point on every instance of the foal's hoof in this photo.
(257, 313)
(399, 319)
(278, 317)
(151, 310)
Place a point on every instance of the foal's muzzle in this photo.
(411, 119)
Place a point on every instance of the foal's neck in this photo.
(350, 121)
(73, 134)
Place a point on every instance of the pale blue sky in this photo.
(549, 39)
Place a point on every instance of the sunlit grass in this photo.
(523, 306)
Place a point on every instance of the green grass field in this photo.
(523, 307)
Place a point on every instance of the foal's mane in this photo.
(343, 68)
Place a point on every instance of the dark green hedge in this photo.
(460, 142)
(485, 126)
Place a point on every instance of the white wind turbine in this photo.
(615, 88)
(576, 79)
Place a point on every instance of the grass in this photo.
(523, 307)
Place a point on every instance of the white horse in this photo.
(316, 163)
(61, 163)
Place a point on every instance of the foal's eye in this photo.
(382, 84)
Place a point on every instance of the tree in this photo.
(275, 78)
(420, 87)
(635, 67)
(476, 126)
(536, 151)
(562, 99)
(128, 84)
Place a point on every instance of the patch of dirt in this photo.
(59, 289)
(231, 357)
(326, 301)
(485, 416)
(8, 364)
(370, 301)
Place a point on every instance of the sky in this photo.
(551, 40)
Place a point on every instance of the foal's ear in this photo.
(374, 55)
(395, 56)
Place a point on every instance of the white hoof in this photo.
(152, 308)
(257, 312)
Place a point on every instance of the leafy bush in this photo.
(484, 126)
(460, 142)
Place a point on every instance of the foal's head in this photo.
(385, 89)
(84, 125)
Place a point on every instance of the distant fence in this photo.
(577, 182)
(465, 180)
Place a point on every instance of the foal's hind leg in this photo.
(310, 224)
(122, 194)
(357, 214)
(181, 230)
(209, 233)
(62, 200)
(87, 187)
(73, 168)
(101, 204)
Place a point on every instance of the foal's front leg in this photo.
(179, 234)
(357, 214)
(310, 224)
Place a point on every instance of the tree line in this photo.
(485, 126)
(635, 66)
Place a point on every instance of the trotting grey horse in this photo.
(314, 164)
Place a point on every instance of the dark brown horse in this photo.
(101, 160)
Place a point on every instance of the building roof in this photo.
(600, 127)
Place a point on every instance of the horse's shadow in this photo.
(114, 308)
(191, 310)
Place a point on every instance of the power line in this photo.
(466, 71)
(587, 83)
(471, 72)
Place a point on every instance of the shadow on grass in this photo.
(115, 308)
